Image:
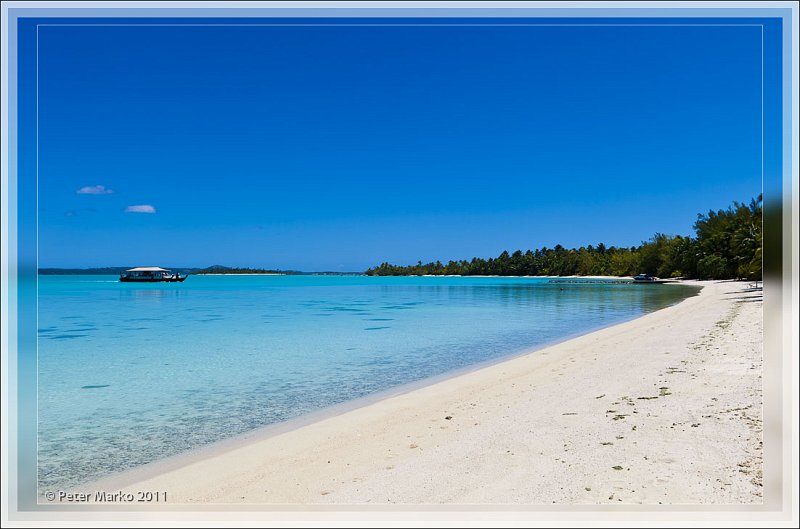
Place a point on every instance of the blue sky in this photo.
(337, 148)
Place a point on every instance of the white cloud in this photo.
(144, 208)
(94, 190)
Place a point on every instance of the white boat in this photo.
(150, 274)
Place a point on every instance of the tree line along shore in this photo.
(727, 244)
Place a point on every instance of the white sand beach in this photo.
(666, 408)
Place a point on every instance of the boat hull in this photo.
(152, 280)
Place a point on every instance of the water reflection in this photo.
(149, 294)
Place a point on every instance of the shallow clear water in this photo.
(133, 373)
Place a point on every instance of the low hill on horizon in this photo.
(213, 269)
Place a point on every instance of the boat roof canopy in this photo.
(147, 269)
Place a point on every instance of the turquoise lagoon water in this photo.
(129, 374)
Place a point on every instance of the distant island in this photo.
(219, 269)
(727, 245)
(108, 270)
(215, 270)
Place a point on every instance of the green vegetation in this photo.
(727, 245)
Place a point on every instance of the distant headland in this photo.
(209, 270)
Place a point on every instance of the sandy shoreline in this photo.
(662, 409)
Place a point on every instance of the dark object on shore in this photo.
(648, 279)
